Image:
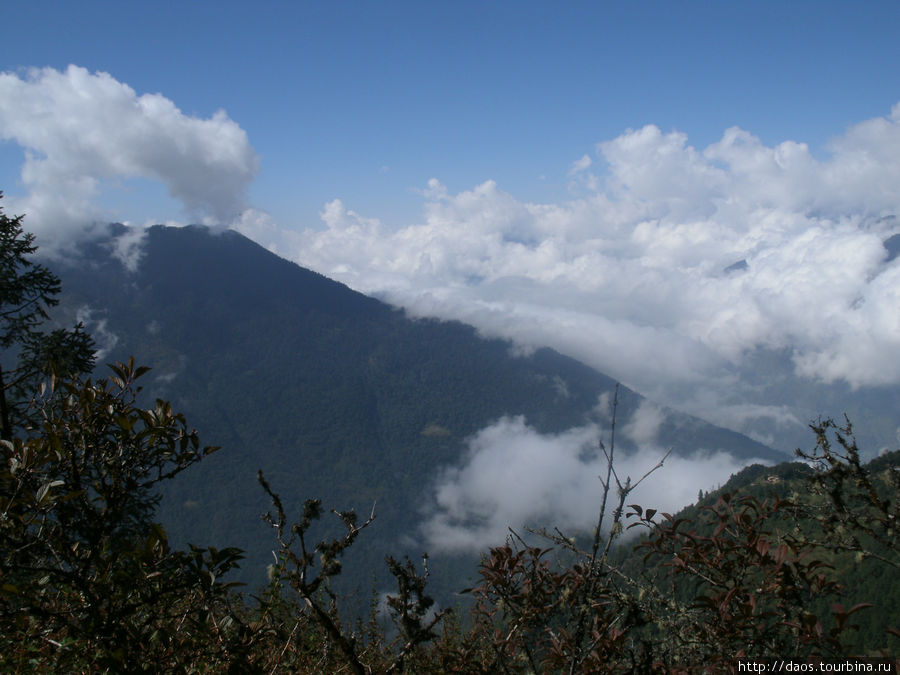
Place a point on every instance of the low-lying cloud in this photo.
(78, 129)
(513, 476)
(96, 325)
(673, 268)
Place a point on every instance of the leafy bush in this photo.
(87, 576)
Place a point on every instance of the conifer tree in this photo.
(28, 353)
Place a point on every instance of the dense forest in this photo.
(330, 392)
(797, 560)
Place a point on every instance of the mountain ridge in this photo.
(331, 393)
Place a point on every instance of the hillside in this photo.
(862, 579)
(332, 394)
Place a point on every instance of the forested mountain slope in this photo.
(331, 393)
(863, 565)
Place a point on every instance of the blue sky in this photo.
(366, 101)
(578, 175)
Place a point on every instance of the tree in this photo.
(87, 578)
(27, 292)
(296, 568)
(860, 511)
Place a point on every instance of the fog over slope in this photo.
(556, 478)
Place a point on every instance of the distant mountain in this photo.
(331, 393)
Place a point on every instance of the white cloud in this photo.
(512, 476)
(128, 247)
(104, 339)
(662, 173)
(79, 129)
(643, 426)
(630, 277)
(580, 165)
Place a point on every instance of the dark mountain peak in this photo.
(204, 264)
(334, 394)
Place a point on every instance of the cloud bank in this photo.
(674, 268)
(78, 129)
(513, 476)
(706, 278)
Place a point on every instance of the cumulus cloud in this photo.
(513, 476)
(580, 165)
(79, 129)
(631, 277)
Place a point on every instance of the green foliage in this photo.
(27, 292)
(862, 510)
(88, 579)
(297, 568)
(751, 586)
